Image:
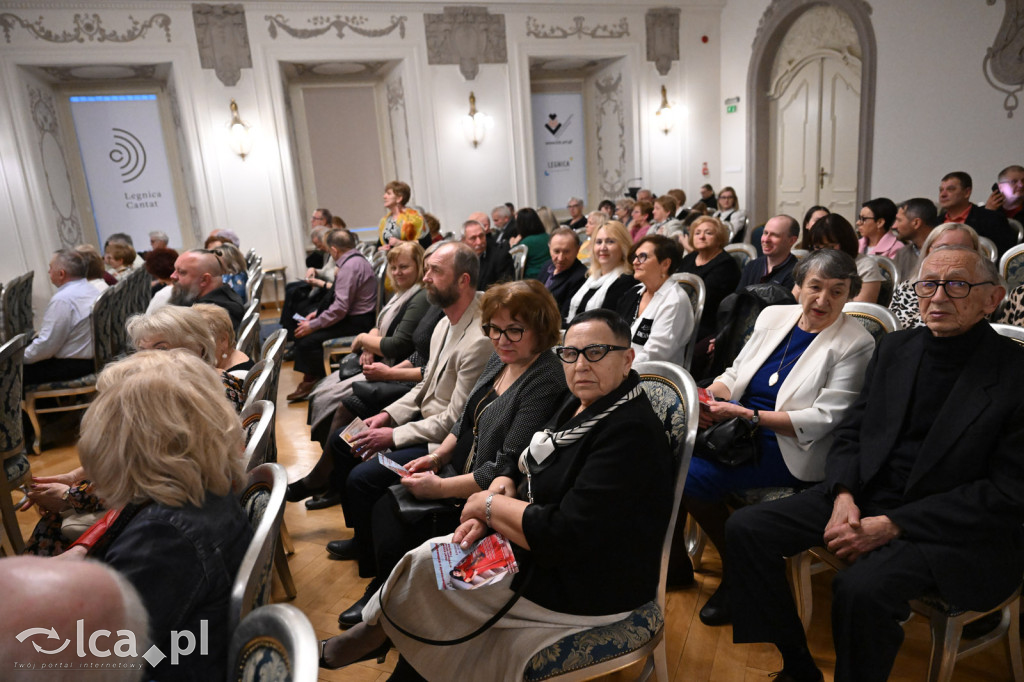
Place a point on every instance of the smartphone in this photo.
(995, 186)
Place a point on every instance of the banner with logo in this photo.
(559, 148)
(126, 167)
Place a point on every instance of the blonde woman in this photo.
(611, 274)
(709, 261)
(228, 358)
(595, 219)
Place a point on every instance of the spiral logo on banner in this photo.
(129, 154)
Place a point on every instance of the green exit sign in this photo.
(731, 109)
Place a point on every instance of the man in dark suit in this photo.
(495, 262)
(504, 225)
(564, 273)
(923, 489)
(956, 206)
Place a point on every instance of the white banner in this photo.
(559, 148)
(126, 167)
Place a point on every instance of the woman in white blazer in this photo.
(797, 376)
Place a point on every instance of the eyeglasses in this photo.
(865, 218)
(640, 258)
(595, 352)
(726, 196)
(494, 332)
(824, 245)
(954, 288)
(575, 206)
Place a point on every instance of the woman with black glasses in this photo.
(600, 473)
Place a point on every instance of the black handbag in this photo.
(732, 442)
(349, 366)
(371, 397)
(411, 509)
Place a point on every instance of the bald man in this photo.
(43, 596)
(198, 278)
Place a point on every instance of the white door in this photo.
(813, 143)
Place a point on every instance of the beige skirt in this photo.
(326, 397)
(501, 652)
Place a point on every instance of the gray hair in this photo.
(72, 263)
(567, 232)
(159, 236)
(829, 264)
(502, 211)
(180, 327)
(988, 269)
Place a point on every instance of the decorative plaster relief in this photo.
(86, 27)
(185, 160)
(785, 7)
(105, 72)
(663, 37)
(336, 70)
(535, 29)
(819, 29)
(1004, 61)
(338, 23)
(467, 36)
(611, 136)
(397, 117)
(55, 167)
(223, 40)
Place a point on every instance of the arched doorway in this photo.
(787, 74)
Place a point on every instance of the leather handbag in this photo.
(732, 443)
(412, 510)
(349, 366)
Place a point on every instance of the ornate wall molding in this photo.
(663, 37)
(821, 29)
(75, 73)
(338, 23)
(86, 27)
(398, 118)
(535, 29)
(611, 124)
(467, 36)
(1004, 61)
(223, 40)
(55, 167)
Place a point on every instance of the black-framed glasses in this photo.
(595, 352)
(494, 332)
(865, 218)
(955, 288)
(640, 257)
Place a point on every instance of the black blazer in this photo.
(964, 500)
(721, 275)
(495, 265)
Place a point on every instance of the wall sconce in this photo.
(665, 116)
(475, 124)
(239, 133)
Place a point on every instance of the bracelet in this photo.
(487, 510)
(436, 461)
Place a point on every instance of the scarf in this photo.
(390, 310)
(601, 283)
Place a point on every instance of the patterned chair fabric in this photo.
(1011, 266)
(741, 253)
(274, 643)
(258, 424)
(16, 307)
(16, 471)
(875, 318)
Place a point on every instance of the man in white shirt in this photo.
(62, 349)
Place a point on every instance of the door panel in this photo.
(794, 141)
(840, 119)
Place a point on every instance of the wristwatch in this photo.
(756, 419)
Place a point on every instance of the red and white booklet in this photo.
(704, 396)
(486, 563)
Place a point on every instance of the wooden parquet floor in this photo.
(695, 653)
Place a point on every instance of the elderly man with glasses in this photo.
(577, 220)
(923, 489)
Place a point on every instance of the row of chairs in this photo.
(16, 307)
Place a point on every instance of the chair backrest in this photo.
(673, 394)
(274, 643)
(381, 272)
(258, 382)
(800, 253)
(367, 249)
(108, 339)
(263, 502)
(694, 287)
(273, 347)
(254, 288)
(741, 253)
(877, 319)
(258, 422)
(378, 258)
(518, 253)
(1011, 331)
(250, 257)
(16, 306)
(1017, 228)
(140, 291)
(988, 248)
(12, 434)
(249, 338)
(892, 279)
(1011, 267)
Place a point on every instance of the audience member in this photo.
(400, 223)
(1008, 195)
(337, 222)
(777, 263)
(956, 206)
(221, 236)
(624, 211)
(198, 278)
(680, 197)
(483, 219)
(119, 258)
(709, 261)
(349, 311)
(643, 213)
(835, 232)
(534, 236)
(915, 220)
(495, 262)
(547, 219)
(521, 385)
(564, 273)
(321, 218)
(595, 219)
(696, 211)
(302, 297)
(795, 379)
(729, 212)
(610, 275)
(169, 474)
(645, 195)
(236, 271)
(504, 224)
(707, 197)
(607, 206)
(95, 270)
(62, 350)
(158, 240)
(123, 238)
(904, 303)
(663, 211)
(228, 358)
(38, 590)
(657, 309)
(576, 501)
(811, 217)
(434, 227)
(923, 490)
(576, 218)
(875, 222)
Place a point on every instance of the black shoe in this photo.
(299, 491)
(323, 501)
(353, 615)
(342, 550)
(379, 653)
(716, 610)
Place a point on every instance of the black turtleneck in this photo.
(940, 365)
